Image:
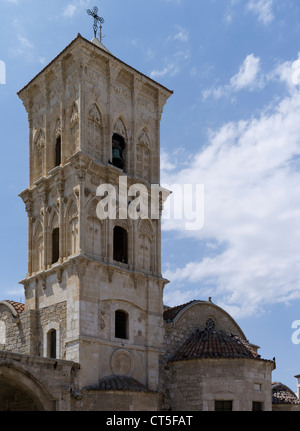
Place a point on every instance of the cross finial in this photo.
(94, 14)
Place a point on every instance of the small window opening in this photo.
(118, 149)
(257, 406)
(55, 245)
(58, 151)
(223, 406)
(120, 245)
(52, 343)
(121, 324)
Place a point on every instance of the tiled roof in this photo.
(118, 383)
(17, 306)
(281, 394)
(214, 344)
(171, 312)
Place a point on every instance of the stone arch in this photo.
(94, 231)
(51, 326)
(21, 391)
(143, 156)
(38, 153)
(120, 142)
(146, 226)
(10, 307)
(95, 113)
(53, 248)
(71, 227)
(53, 219)
(137, 316)
(145, 245)
(210, 310)
(57, 147)
(120, 242)
(38, 247)
(121, 128)
(73, 115)
(95, 141)
(144, 138)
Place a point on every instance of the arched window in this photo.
(143, 167)
(55, 245)
(51, 341)
(121, 324)
(58, 151)
(94, 144)
(38, 247)
(120, 244)
(118, 149)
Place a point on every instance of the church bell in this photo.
(117, 159)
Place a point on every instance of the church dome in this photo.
(214, 344)
(118, 383)
(281, 394)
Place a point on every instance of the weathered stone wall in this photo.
(196, 384)
(116, 401)
(285, 407)
(17, 333)
(53, 317)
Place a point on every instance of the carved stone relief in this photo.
(122, 363)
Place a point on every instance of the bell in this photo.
(117, 159)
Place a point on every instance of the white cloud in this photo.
(165, 163)
(263, 9)
(171, 69)
(289, 72)
(25, 42)
(246, 78)
(251, 173)
(181, 34)
(230, 11)
(247, 75)
(179, 57)
(22, 47)
(70, 10)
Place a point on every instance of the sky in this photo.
(232, 127)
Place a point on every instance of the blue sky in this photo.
(233, 125)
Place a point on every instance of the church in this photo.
(94, 333)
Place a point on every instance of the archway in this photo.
(20, 392)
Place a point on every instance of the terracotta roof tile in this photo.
(17, 306)
(118, 383)
(214, 344)
(281, 394)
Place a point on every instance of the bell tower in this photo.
(95, 284)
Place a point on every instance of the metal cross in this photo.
(94, 14)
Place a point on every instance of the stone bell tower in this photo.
(95, 284)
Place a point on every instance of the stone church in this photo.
(94, 333)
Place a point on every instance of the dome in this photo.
(214, 344)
